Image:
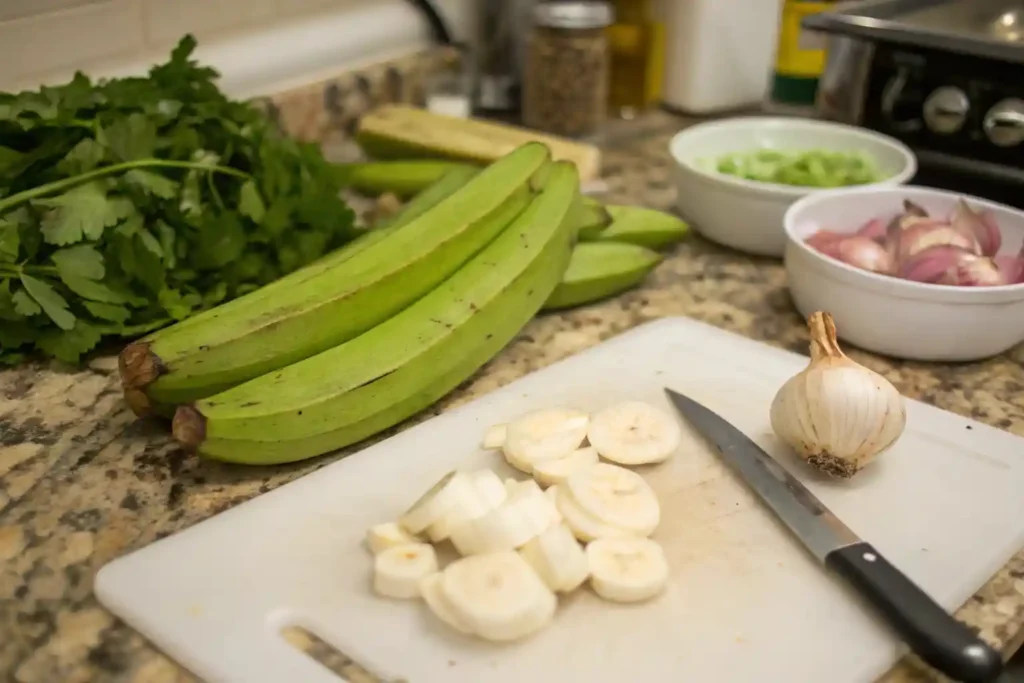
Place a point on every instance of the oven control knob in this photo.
(945, 110)
(901, 102)
(1004, 123)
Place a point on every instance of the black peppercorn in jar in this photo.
(565, 80)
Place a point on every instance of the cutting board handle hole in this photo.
(318, 649)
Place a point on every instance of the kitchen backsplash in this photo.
(328, 111)
(256, 44)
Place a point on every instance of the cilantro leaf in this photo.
(84, 156)
(167, 243)
(250, 204)
(52, 303)
(112, 312)
(179, 306)
(132, 137)
(152, 183)
(15, 334)
(151, 243)
(10, 241)
(140, 201)
(25, 305)
(69, 345)
(9, 157)
(80, 260)
(81, 213)
(221, 241)
(91, 289)
(7, 311)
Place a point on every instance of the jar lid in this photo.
(573, 15)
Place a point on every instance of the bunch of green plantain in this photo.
(373, 333)
(617, 244)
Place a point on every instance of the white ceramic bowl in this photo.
(897, 317)
(745, 214)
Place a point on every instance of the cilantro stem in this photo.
(15, 270)
(8, 203)
(214, 192)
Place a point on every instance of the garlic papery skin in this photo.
(837, 414)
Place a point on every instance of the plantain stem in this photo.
(188, 427)
(138, 365)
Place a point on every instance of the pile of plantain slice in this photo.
(377, 331)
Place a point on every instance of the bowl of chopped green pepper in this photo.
(737, 177)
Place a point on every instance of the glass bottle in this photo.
(637, 45)
(565, 80)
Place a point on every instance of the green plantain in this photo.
(590, 217)
(402, 178)
(228, 345)
(430, 197)
(641, 226)
(402, 365)
(142, 405)
(601, 269)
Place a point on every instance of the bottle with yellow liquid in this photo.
(636, 43)
(799, 58)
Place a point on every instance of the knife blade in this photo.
(931, 632)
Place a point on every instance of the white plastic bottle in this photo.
(718, 53)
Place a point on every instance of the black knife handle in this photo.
(933, 634)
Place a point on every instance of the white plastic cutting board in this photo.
(745, 603)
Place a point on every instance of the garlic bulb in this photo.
(837, 414)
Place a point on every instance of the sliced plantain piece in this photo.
(546, 434)
(494, 437)
(451, 492)
(498, 596)
(627, 569)
(397, 571)
(440, 606)
(585, 526)
(634, 433)
(558, 559)
(615, 496)
(380, 537)
(554, 472)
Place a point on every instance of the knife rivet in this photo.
(869, 557)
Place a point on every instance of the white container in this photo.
(895, 317)
(745, 214)
(718, 53)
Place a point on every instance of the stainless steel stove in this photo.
(944, 76)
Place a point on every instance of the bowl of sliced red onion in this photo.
(910, 272)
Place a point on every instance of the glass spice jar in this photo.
(565, 80)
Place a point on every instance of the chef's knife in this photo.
(929, 630)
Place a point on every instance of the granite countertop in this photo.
(82, 482)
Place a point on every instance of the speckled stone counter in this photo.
(82, 482)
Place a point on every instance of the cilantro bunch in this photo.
(129, 204)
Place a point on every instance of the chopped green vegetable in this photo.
(806, 168)
(128, 204)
